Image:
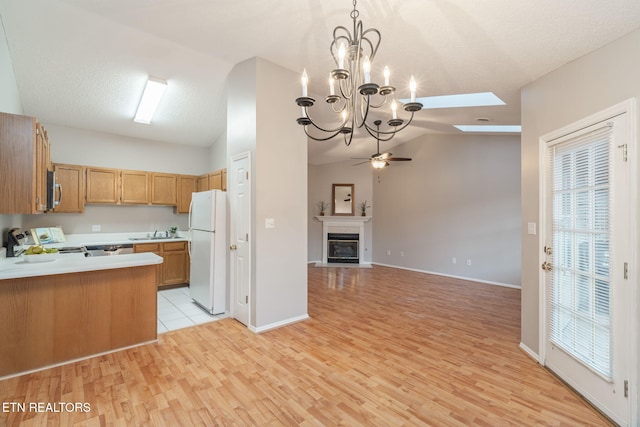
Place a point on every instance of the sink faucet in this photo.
(154, 233)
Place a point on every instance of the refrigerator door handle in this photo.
(189, 228)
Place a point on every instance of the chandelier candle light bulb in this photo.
(394, 109)
(305, 81)
(387, 74)
(412, 88)
(332, 90)
(366, 67)
(342, 52)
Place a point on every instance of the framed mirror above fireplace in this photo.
(343, 196)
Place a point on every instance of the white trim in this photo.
(278, 324)
(529, 352)
(471, 279)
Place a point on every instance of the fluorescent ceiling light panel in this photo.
(150, 99)
(481, 99)
(490, 128)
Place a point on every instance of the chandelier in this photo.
(352, 94)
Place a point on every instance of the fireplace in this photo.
(343, 248)
(343, 240)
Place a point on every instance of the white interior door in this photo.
(240, 249)
(587, 249)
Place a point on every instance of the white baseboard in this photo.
(258, 330)
(530, 352)
(471, 279)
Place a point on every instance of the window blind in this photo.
(579, 297)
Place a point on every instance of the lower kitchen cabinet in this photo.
(174, 269)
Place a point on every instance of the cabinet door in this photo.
(156, 249)
(135, 188)
(174, 268)
(163, 189)
(224, 180)
(203, 183)
(215, 180)
(186, 186)
(42, 164)
(102, 185)
(71, 193)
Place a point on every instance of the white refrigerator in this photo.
(208, 250)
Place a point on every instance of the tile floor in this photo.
(177, 310)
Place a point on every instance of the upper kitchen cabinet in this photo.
(70, 193)
(135, 187)
(187, 185)
(103, 185)
(216, 180)
(163, 189)
(25, 158)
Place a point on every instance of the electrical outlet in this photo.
(401, 253)
(469, 262)
(95, 228)
(269, 223)
(454, 260)
(388, 252)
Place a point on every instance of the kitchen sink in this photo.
(152, 238)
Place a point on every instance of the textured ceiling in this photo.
(83, 63)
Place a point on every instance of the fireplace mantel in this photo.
(343, 224)
(343, 218)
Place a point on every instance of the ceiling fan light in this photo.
(378, 163)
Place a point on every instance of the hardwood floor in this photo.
(383, 347)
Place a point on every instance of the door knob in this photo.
(233, 247)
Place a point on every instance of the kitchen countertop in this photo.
(14, 268)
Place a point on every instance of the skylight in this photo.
(490, 128)
(480, 99)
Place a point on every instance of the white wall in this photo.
(261, 119)
(458, 198)
(583, 87)
(321, 178)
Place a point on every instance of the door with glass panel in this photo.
(586, 253)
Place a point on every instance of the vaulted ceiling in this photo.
(83, 63)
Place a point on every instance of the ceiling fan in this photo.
(380, 160)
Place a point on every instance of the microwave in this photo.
(52, 202)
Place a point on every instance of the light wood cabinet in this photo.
(135, 187)
(103, 185)
(25, 157)
(216, 180)
(203, 183)
(163, 189)
(187, 185)
(175, 266)
(71, 192)
(153, 248)
(174, 269)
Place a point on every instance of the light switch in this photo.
(269, 223)
(531, 228)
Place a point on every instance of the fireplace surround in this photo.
(350, 242)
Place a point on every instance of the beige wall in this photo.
(581, 88)
(458, 198)
(259, 120)
(321, 178)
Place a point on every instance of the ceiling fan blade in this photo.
(361, 163)
(399, 159)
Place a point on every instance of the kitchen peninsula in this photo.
(74, 307)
